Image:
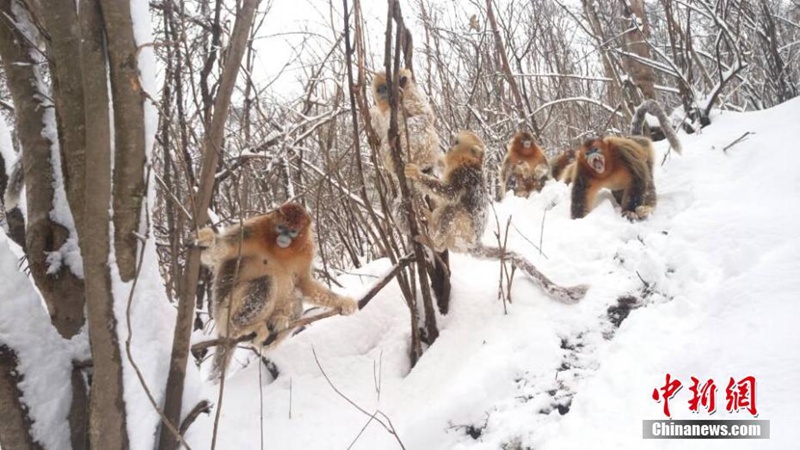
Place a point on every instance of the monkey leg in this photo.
(455, 230)
(618, 196)
(226, 277)
(636, 198)
(237, 313)
(255, 303)
(583, 195)
(277, 325)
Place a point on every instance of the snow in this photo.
(45, 359)
(713, 271)
(6, 147)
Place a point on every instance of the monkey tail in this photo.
(222, 357)
(569, 295)
(653, 107)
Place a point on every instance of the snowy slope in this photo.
(714, 274)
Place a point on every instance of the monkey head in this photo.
(291, 224)
(380, 88)
(593, 155)
(466, 148)
(523, 144)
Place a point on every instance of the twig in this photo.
(361, 431)
(529, 241)
(387, 426)
(738, 140)
(203, 407)
(260, 398)
(541, 229)
(501, 294)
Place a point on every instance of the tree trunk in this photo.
(635, 41)
(107, 420)
(62, 290)
(212, 146)
(129, 143)
(15, 422)
(61, 21)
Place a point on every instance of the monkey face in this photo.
(594, 157)
(525, 139)
(292, 221)
(403, 80)
(466, 143)
(380, 89)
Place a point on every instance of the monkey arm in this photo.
(582, 196)
(505, 174)
(379, 122)
(316, 293)
(436, 187)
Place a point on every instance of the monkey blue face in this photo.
(285, 235)
(595, 159)
(383, 89)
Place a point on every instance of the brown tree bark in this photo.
(62, 290)
(15, 426)
(212, 145)
(107, 420)
(60, 19)
(615, 92)
(129, 160)
(635, 41)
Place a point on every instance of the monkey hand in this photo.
(348, 306)
(641, 213)
(205, 238)
(413, 171)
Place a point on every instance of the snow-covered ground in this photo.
(715, 275)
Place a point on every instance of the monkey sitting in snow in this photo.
(525, 167)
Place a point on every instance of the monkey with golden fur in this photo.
(259, 266)
(525, 167)
(561, 164)
(622, 165)
(415, 122)
(459, 219)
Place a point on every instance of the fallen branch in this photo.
(738, 140)
(305, 321)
